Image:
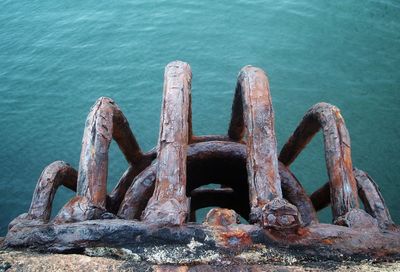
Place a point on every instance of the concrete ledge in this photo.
(316, 242)
(107, 259)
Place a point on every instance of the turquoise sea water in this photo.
(57, 58)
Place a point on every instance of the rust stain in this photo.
(235, 238)
(327, 241)
(303, 232)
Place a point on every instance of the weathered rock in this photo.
(158, 259)
(324, 241)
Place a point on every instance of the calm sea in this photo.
(58, 57)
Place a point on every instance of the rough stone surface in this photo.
(156, 259)
(323, 241)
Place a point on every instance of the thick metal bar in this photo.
(138, 194)
(118, 193)
(55, 174)
(372, 199)
(370, 196)
(203, 161)
(253, 116)
(224, 163)
(104, 122)
(217, 162)
(169, 203)
(295, 194)
(337, 153)
(321, 198)
(217, 191)
(207, 138)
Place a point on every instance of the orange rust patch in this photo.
(221, 217)
(235, 238)
(327, 241)
(303, 231)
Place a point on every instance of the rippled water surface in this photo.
(57, 58)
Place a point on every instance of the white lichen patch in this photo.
(11, 261)
(194, 244)
(192, 253)
(260, 253)
(122, 253)
(249, 256)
